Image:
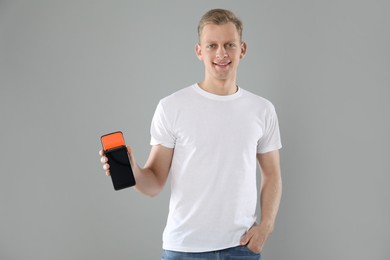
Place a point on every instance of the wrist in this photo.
(267, 225)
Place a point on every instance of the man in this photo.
(208, 137)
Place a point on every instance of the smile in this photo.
(222, 64)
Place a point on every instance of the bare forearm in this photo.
(147, 181)
(270, 195)
(152, 177)
(271, 187)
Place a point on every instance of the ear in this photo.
(243, 50)
(198, 51)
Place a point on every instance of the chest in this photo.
(214, 124)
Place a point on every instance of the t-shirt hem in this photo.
(270, 149)
(198, 249)
(167, 145)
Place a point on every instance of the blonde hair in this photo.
(220, 17)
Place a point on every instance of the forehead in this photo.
(223, 32)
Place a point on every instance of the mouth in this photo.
(222, 64)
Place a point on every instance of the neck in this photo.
(219, 87)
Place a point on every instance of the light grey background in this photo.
(71, 71)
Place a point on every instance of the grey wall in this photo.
(71, 71)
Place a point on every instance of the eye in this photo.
(211, 46)
(231, 45)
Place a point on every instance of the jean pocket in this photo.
(250, 251)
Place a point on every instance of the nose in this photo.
(221, 53)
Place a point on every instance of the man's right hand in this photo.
(104, 160)
(150, 179)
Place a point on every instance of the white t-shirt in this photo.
(213, 172)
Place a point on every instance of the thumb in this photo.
(128, 149)
(131, 156)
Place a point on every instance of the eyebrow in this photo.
(229, 41)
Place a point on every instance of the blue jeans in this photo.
(234, 253)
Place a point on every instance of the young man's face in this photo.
(220, 49)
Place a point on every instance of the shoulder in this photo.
(178, 97)
(257, 101)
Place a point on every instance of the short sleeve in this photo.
(161, 129)
(270, 139)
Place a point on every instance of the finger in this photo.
(131, 157)
(108, 173)
(104, 159)
(101, 152)
(254, 248)
(256, 242)
(106, 166)
(255, 245)
(246, 238)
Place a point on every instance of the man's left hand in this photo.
(255, 238)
